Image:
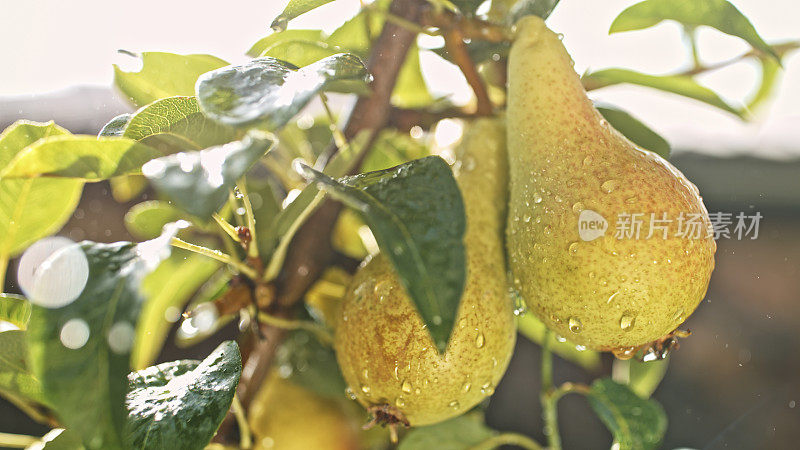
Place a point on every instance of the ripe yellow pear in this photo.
(384, 350)
(604, 289)
(286, 416)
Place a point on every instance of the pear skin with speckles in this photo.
(385, 351)
(608, 243)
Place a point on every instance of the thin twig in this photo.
(245, 436)
(216, 254)
(322, 334)
(252, 248)
(454, 42)
(9, 440)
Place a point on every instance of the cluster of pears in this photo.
(553, 163)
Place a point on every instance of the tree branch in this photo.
(311, 250)
(454, 42)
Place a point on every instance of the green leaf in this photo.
(416, 213)
(177, 122)
(533, 329)
(676, 84)
(81, 352)
(636, 423)
(719, 14)
(294, 9)
(279, 37)
(522, 8)
(356, 35)
(15, 310)
(393, 148)
(164, 75)
(116, 126)
(166, 291)
(58, 439)
(411, 91)
(199, 182)
(146, 220)
(272, 91)
(460, 433)
(180, 404)
(313, 364)
(769, 76)
(83, 157)
(16, 378)
(301, 53)
(31, 209)
(285, 224)
(639, 133)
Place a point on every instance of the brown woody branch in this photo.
(311, 250)
(454, 42)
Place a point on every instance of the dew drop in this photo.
(580, 348)
(480, 340)
(487, 388)
(399, 402)
(526, 218)
(454, 404)
(365, 389)
(578, 207)
(365, 374)
(462, 322)
(406, 387)
(609, 186)
(349, 393)
(678, 316)
(624, 353)
(547, 229)
(631, 200)
(467, 386)
(573, 248)
(588, 160)
(575, 324)
(560, 338)
(537, 198)
(627, 321)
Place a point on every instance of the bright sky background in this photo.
(54, 44)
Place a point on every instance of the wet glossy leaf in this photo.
(199, 182)
(31, 209)
(83, 157)
(294, 9)
(116, 126)
(636, 423)
(460, 433)
(279, 37)
(719, 14)
(676, 84)
(272, 91)
(164, 75)
(16, 378)
(639, 133)
(166, 291)
(15, 310)
(416, 213)
(177, 123)
(522, 8)
(533, 329)
(180, 404)
(301, 53)
(81, 352)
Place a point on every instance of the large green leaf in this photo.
(177, 122)
(81, 352)
(15, 310)
(639, 133)
(272, 91)
(31, 209)
(164, 75)
(719, 14)
(533, 329)
(676, 84)
(294, 9)
(15, 377)
(199, 182)
(460, 433)
(83, 157)
(279, 37)
(416, 213)
(636, 423)
(179, 405)
(167, 290)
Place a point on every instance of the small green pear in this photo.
(383, 347)
(603, 285)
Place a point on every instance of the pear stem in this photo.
(549, 396)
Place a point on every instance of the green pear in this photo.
(383, 347)
(603, 285)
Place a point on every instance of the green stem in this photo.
(548, 395)
(691, 34)
(279, 255)
(508, 439)
(9, 440)
(252, 249)
(229, 229)
(320, 332)
(216, 254)
(246, 437)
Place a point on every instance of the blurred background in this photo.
(734, 384)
